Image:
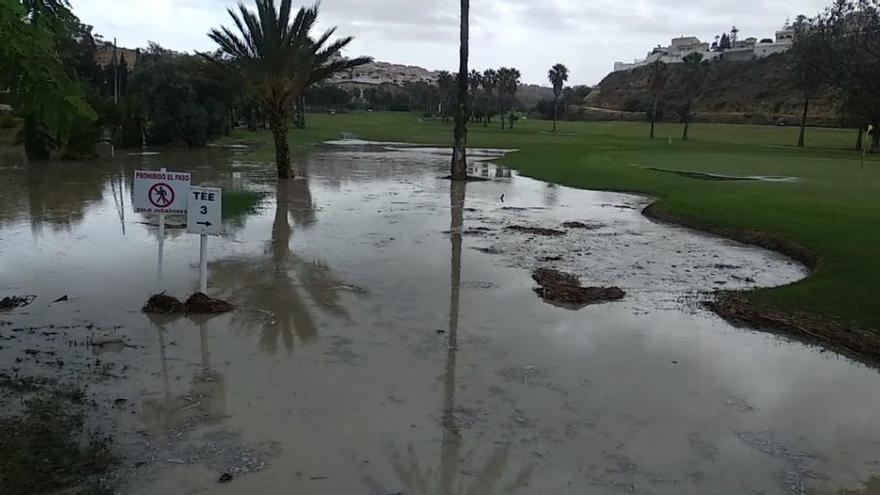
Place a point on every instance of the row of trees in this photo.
(836, 52)
(690, 80)
(488, 93)
(839, 50)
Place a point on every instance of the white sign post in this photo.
(161, 192)
(204, 217)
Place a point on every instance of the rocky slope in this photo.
(757, 92)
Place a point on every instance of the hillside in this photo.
(754, 92)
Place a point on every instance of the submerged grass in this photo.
(44, 443)
(831, 209)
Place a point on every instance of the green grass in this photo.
(833, 209)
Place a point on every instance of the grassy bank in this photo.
(832, 207)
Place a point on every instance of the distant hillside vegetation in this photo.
(753, 92)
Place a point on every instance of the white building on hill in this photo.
(747, 49)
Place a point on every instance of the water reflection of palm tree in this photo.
(487, 480)
(266, 284)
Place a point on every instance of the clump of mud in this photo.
(201, 304)
(197, 304)
(537, 230)
(565, 289)
(12, 302)
(164, 305)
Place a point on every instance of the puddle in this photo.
(387, 338)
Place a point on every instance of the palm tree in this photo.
(490, 84)
(657, 82)
(275, 55)
(475, 79)
(694, 77)
(459, 148)
(508, 82)
(558, 75)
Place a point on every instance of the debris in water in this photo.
(566, 289)
(164, 304)
(536, 230)
(103, 340)
(12, 302)
(225, 478)
(201, 304)
(582, 225)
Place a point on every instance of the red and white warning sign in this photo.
(161, 192)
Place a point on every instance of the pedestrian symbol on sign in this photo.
(161, 195)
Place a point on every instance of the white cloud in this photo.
(588, 36)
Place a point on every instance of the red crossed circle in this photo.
(161, 195)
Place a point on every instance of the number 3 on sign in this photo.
(204, 215)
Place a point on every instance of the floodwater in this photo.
(388, 340)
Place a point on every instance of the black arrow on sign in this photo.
(206, 224)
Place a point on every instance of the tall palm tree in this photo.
(490, 84)
(274, 53)
(558, 75)
(508, 83)
(657, 82)
(459, 148)
(475, 80)
(694, 77)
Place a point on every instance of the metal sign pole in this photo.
(203, 264)
(161, 241)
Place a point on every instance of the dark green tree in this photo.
(40, 87)
(490, 86)
(693, 79)
(508, 83)
(657, 80)
(843, 45)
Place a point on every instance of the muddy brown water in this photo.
(387, 338)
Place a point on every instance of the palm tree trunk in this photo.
(502, 116)
(555, 110)
(301, 112)
(804, 122)
(687, 121)
(654, 115)
(459, 151)
(282, 148)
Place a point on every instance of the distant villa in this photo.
(747, 49)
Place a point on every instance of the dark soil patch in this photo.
(858, 343)
(46, 446)
(197, 304)
(201, 304)
(537, 230)
(565, 289)
(582, 225)
(477, 231)
(12, 302)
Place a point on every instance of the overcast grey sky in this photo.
(586, 35)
